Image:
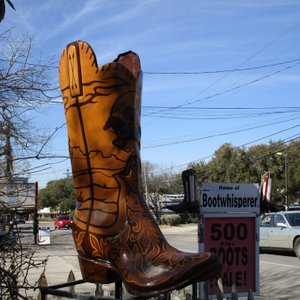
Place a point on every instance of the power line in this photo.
(228, 90)
(272, 41)
(187, 113)
(222, 71)
(287, 140)
(221, 108)
(179, 72)
(219, 134)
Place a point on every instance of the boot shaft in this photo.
(102, 108)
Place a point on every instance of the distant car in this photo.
(62, 222)
(281, 231)
(20, 220)
(17, 220)
(294, 207)
(7, 239)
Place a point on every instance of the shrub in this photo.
(189, 218)
(170, 220)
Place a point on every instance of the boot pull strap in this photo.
(74, 70)
(130, 61)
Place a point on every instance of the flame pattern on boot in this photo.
(114, 232)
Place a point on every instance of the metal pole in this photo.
(286, 175)
(286, 179)
(118, 289)
(194, 291)
(43, 293)
(35, 216)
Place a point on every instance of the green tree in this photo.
(239, 164)
(58, 194)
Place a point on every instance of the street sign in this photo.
(18, 195)
(229, 228)
(229, 197)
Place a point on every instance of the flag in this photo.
(266, 187)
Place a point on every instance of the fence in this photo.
(119, 292)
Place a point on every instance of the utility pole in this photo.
(146, 187)
(67, 173)
(286, 175)
(7, 147)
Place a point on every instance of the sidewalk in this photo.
(185, 228)
(62, 258)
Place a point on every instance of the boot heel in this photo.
(97, 271)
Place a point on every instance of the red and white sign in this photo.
(229, 228)
(233, 240)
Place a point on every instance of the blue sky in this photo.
(185, 117)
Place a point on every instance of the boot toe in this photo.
(164, 278)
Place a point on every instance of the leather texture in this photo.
(114, 232)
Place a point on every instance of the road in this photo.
(279, 274)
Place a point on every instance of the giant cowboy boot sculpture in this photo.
(115, 234)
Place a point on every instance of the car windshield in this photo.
(293, 219)
(63, 218)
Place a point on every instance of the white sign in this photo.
(44, 236)
(229, 197)
(20, 195)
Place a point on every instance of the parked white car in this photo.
(281, 231)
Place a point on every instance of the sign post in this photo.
(229, 228)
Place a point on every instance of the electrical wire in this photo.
(221, 71)
(226, 91)
(192, 113)
(181, 72)
(284, 142)
(220, 134)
